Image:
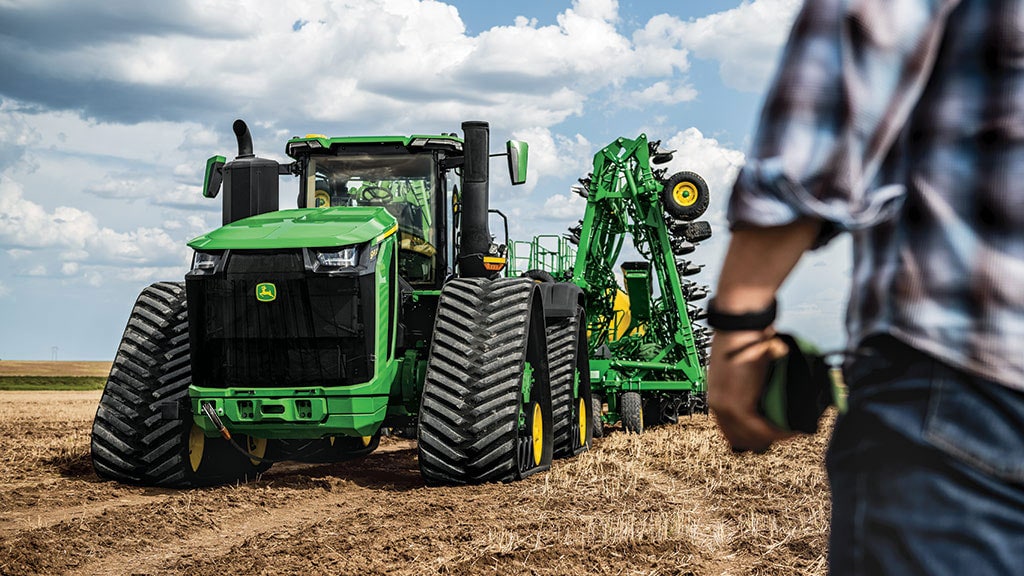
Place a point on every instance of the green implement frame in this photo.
(654, 350)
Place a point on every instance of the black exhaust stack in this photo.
(250, 183)
(475, 236)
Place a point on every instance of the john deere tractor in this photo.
(379, 303)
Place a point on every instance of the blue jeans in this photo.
(926, 470)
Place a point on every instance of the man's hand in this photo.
(739, 364)
(757, 262)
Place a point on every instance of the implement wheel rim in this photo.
(685, 194)
(582, 409)
(257, 447)
(196, 443)
(537, 434)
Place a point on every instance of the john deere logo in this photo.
(266, 292)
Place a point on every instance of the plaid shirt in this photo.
(902, 122)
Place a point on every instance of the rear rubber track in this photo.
(469, 425)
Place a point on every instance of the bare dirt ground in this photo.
(671, 501)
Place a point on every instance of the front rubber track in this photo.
(469, 423)
(140, 433)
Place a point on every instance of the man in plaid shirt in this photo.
(902, 123)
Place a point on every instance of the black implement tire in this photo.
(474, 423)
(685, 196)
(571, 403)
(697, 231)
(538, 275)
(661, 410)
(631, 411)
(143, 431)
(597, 409)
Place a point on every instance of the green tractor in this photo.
(380, 303)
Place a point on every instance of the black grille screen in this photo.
(317, 332)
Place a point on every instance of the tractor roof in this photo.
(318, 143)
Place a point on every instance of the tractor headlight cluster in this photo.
(204, 263)
(344, 260)
(336, 259)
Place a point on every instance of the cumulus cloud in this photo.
(394, 59)
(563, 207)
(77, 236)
(746, 41)
(554, 155)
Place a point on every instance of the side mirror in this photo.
(214, 176)
(518, 153)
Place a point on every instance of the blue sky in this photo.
(109, 110)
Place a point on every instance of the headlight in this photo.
(336, 259)
(206, 262)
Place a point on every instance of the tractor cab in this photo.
(401, 175)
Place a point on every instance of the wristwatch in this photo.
(754, 321)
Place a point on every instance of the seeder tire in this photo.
(686, 196)
(631, 411)
(143, 432)
(596, 410)
(571, 402)
(475, 425)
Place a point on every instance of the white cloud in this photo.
(392, 60)
(746, 41)
(660, 93)
(554, 155)
(4, 290)
(563, 207)
(77, 236)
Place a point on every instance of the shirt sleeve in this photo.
(849, 78)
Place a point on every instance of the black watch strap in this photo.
(726, 322)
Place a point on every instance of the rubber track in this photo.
(562, 339)
(130, 441)
(470, 405)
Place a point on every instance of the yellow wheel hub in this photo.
(583, 421)
(538, 434)
(685, 193)
(256, 447)
(196, 443)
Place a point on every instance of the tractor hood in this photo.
(303, 228)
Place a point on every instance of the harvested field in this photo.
(54, 369)
(671, 501)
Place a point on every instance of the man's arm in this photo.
(757, 262)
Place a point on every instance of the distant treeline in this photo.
(52, 382)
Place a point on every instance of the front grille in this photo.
(317, 332)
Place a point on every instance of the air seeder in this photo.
(648, 357)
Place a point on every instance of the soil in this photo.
(673, 500)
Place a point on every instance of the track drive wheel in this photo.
(571, 402)
(485, 410)
(685, 195)
(143, 432)
(631, 410)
